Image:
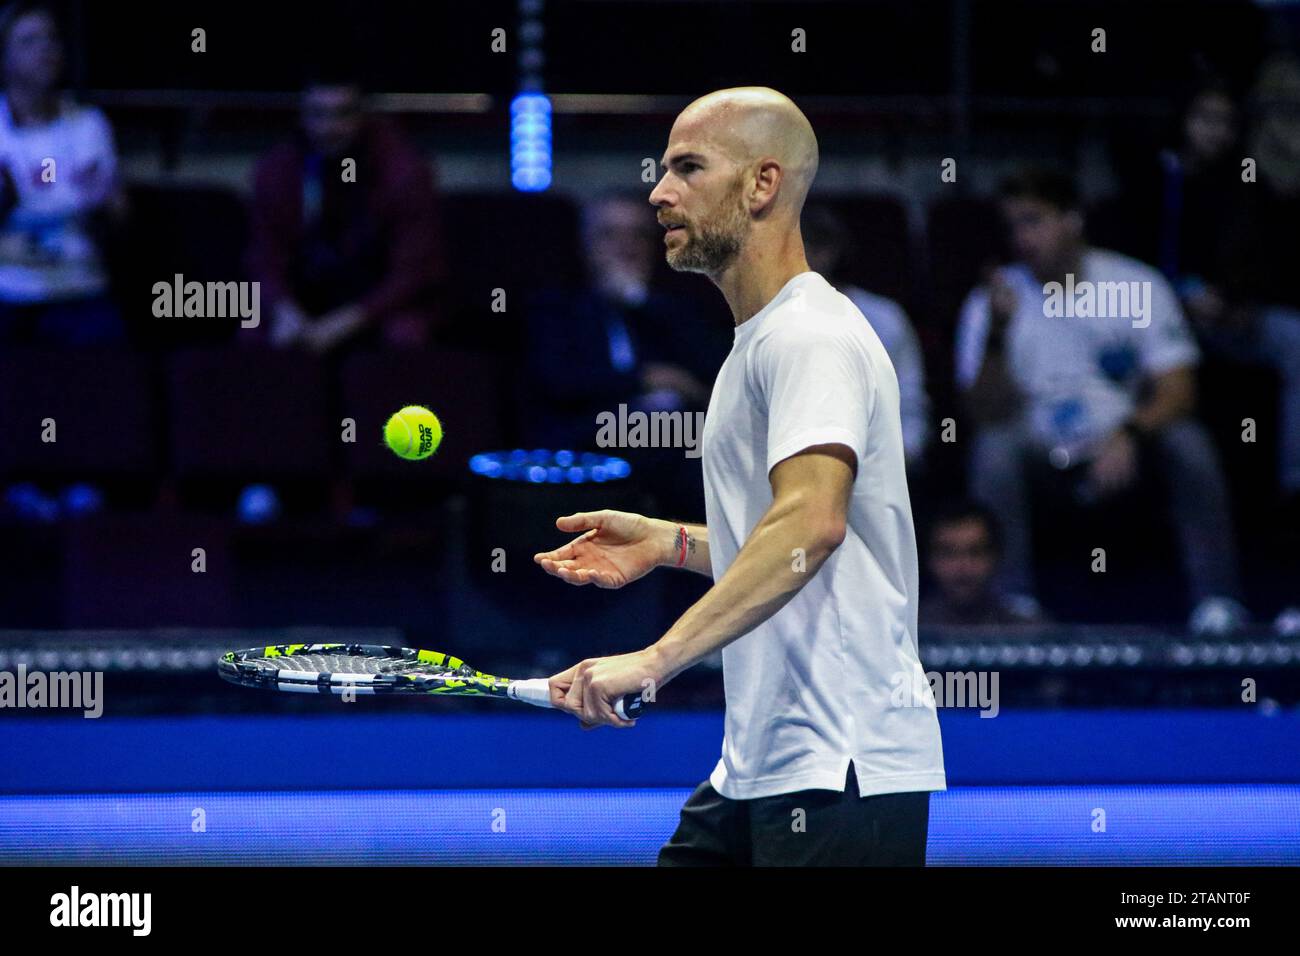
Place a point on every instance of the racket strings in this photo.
(352, 664)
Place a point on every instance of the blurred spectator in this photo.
(620, 340)
(964, 550)
(58, 189)
(615, 341)
(825, 241)
(1110, 393)
(345, 226)
(1248, 308)
(1201, 184)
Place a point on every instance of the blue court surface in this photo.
(1064, 788)
(1180, 825)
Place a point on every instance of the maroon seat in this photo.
(102, 407)
(248, 414)
(137, 570)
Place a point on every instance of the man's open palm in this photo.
(614, 548)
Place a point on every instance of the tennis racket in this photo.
(376, 669)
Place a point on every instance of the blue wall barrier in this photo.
(362, 751)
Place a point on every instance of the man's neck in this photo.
(32, 107)
(1072, 265)
(760, 271)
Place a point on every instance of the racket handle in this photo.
(538, 693)
(630, 707)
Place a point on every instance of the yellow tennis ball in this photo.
(413, 433)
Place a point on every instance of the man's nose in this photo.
(659, 195)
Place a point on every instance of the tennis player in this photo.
(829, 753)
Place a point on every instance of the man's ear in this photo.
(766, 185)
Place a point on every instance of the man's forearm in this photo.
(1173, 396)
(760, 582)
(696, 544)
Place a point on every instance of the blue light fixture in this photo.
(542, 466)
(530, 142)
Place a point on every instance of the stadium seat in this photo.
(198, 231)
(138, 570)
(102, 408)
(247, 414)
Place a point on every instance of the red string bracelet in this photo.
(681, 533)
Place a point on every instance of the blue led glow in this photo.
(530, 142)
(541, 465)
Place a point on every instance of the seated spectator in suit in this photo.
(58, 188)
(1109, 392)
(621, 340)
(826, 240)
(963, 553)
(346, 238)
(1176, 203)
(617, 340)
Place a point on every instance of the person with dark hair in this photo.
(826, 241)
(964, 550)
(346, 236)
(1081, 357)
(58, 182)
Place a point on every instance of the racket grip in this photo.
(630, 707)
(538, 693)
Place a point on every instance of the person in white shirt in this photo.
(58, 170)
(1080, 357)
(809, 536)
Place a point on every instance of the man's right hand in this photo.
(1003, 301)
(613, 548)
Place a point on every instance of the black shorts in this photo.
(833, 829)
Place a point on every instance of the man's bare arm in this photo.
(1173, 396)
(808, 514)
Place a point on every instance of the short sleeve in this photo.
(818, 387)
(1167, 343)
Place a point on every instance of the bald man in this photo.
(831, 744)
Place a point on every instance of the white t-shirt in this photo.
(1080, 375)
(817, 684)
(898, 337)
(46, 252)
